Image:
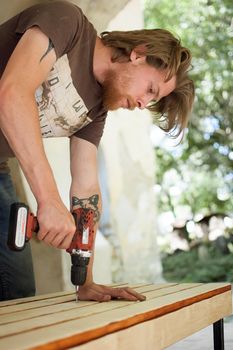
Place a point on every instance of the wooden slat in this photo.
(35, 298)
(59, 300)
(36, 304)
(74, 310)
(166, 330)
(41, 301)
(80, 330)
(51, 296)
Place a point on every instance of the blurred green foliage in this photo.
(202, 164)
(198, 173)
(186, 267)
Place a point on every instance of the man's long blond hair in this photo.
(163, 51)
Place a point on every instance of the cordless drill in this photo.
(22, 223)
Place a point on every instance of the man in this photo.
(58, 78)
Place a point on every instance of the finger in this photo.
(48, 237)
(121, 293)
(53, 239)
(98, 296)
(129, 294)
(41, 235)
(94, 295)
(57, 241)
(139, 296)
(105, 297)
(115, 293)
(66, 242)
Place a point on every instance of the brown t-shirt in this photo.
(70, 100)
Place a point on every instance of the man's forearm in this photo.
(20, 124)
(27, 68)
(92, 203)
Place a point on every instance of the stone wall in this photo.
(99, 12)
(130, 165)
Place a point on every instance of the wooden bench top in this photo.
(171, 312)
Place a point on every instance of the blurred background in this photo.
(194, 179)
(167, 206)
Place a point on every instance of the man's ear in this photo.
(137, 58)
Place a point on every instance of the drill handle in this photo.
(22, 223)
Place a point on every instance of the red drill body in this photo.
(84, 235)
(23, 223)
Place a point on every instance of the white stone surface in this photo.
(130, 165)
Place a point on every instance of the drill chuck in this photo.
(79, 260)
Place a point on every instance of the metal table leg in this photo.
(218, 328)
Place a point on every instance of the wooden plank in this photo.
(59, 300)
(77, 310)
(77, 331)
(164, 331)
(36, 304)
(51, 295)
(81, 309)
(40, 301)
(35, 298)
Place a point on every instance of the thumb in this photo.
(105, 297)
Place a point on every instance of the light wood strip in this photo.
(52, 295)
(222, 313)
(39, 301)
(58, 300)
(62, 331)
(35, 298)
(166, 330)
(36, 304)
(81, 309)
(78, 331)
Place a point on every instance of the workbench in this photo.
(171, 312)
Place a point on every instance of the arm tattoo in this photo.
(50, 47)
(88, 203)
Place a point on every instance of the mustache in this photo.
(114, 94)
(131, 103)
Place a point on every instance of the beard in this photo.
(114, 88)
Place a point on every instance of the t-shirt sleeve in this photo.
(60, 21)
(93, 131)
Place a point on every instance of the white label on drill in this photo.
(85, 236)
(21, 226)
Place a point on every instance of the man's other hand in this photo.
(98, 292)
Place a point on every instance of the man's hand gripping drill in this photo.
(23, 223)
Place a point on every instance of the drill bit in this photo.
(76, 293)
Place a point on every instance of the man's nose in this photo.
(143, 102)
